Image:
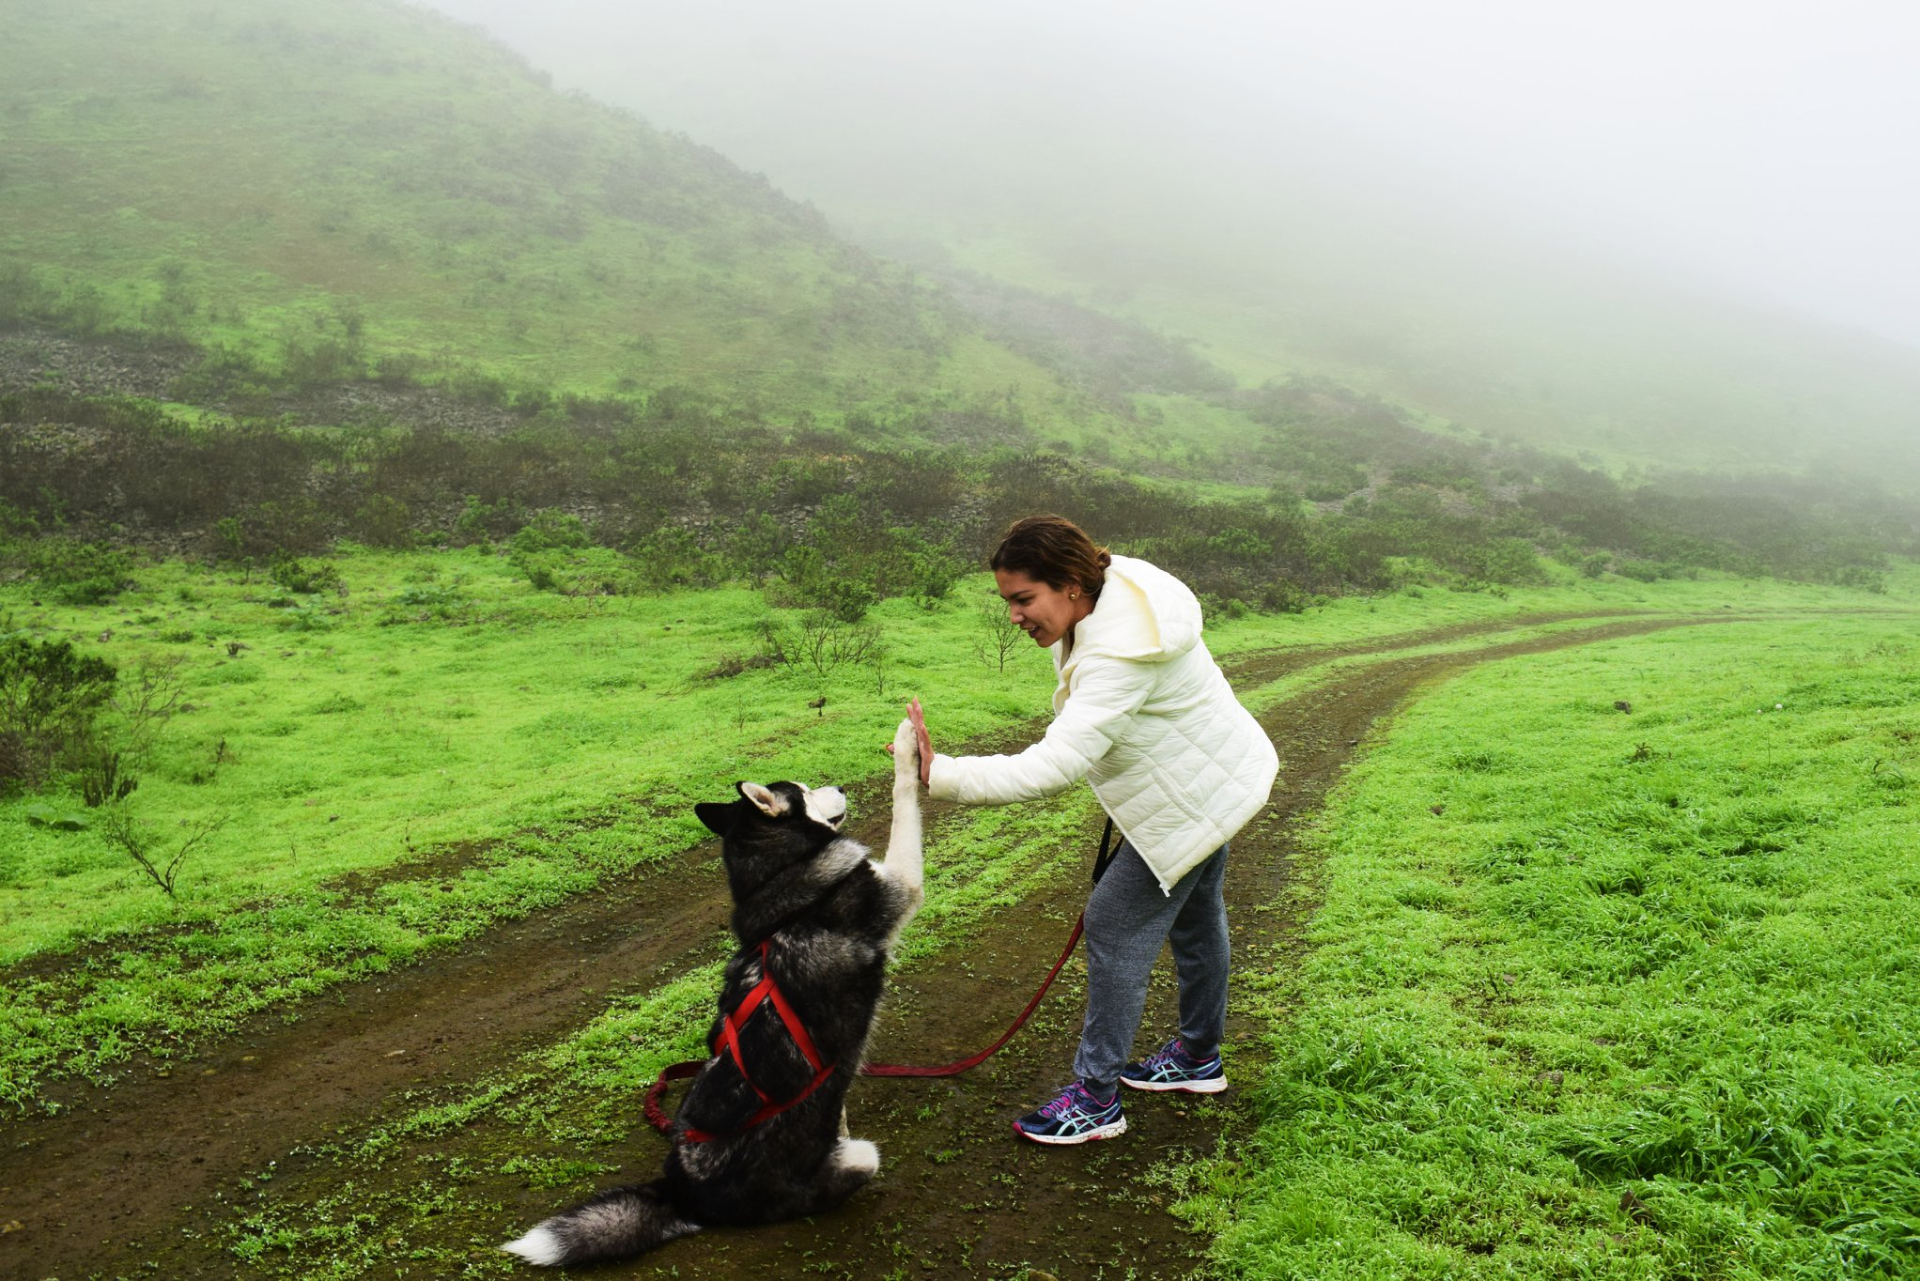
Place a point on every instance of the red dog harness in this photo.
(766, 991)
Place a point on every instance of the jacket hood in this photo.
(1144, 614)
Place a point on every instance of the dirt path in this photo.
(111, 1185)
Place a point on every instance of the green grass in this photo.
(1637, 1001)
(441, 747)
(520, 749)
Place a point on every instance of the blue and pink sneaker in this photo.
(1172, 1068)
(1076, 1116)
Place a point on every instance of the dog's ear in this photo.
(718, 818)
(765, 799)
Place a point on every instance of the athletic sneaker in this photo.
(1172, 1069)
(1074, 1117)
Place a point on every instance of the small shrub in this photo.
(1645, 571)
(996, 635)
(820, 644)
(305, 577)
(148, 697)
(480, 522)
(550, 529)
(672, 557)
(162, 869)
(80, 573)
(101, 780)
(384, 521)
(538, 573)
(305, 618)
(423, 603)
(50, 697)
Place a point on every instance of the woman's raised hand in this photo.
(919, 719)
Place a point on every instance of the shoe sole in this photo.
(1212, 1085)
(1114, 1130)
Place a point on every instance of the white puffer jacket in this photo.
(1144, 714)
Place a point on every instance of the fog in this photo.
(1761, 150)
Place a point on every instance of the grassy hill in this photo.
(361, 187)
(495, 299)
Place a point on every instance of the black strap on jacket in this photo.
(1106, 856)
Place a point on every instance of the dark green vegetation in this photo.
(50, 697)
(680, 492)
(1606, 993)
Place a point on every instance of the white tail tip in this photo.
(538, 1246)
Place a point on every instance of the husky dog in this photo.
(759, 1137)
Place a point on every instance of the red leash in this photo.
(659, 1120)
(975, 1060)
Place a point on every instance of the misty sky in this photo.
(1764, 144)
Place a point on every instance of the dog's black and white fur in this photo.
(831, 916)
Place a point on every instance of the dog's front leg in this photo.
(903, 864)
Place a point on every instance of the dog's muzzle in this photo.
(827, 805)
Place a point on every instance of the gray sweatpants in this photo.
(1128, 917)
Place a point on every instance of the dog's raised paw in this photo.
(906, 750)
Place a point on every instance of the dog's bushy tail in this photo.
(617, 1224)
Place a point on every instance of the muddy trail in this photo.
(126, 1181)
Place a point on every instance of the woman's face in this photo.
(1044, 612)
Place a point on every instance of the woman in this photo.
(1145, 715)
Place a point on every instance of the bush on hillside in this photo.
(550, 529)
(77, 573)
(305, 577)
(672, 557)
(50, 698)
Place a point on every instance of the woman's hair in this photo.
(1052, 550)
